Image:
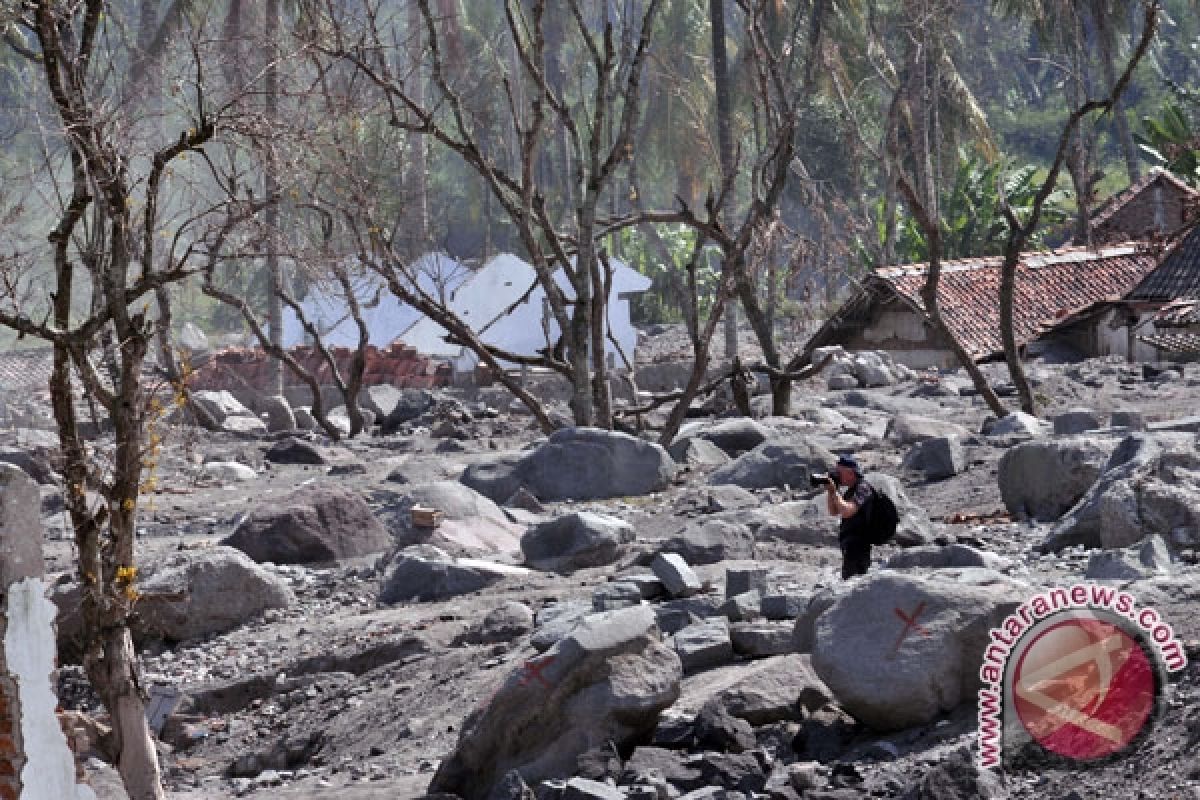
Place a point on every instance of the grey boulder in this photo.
(607, 680)
(577, 464)
(937, 458)
(1144, 560)
(316, 523)
(1077, 420)
(775, 463)
(905, 429)
(279, 414)
(953, 556)
(893, 671)
(424, 573)
(711, 542)
(1150, 485)
(594, 464)
(472, 524)
(575, 541)
(196, 593)
(1044, 478)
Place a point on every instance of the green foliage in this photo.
(1170, 141)
(972, 221)
(662, 303)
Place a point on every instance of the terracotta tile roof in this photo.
(1171, 341)
(1127, 195)
(1049, 287)
(1181, 313)
(26, 370)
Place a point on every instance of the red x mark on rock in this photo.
(910, 623)
(532, 670)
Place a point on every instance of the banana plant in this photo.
(1169, 141)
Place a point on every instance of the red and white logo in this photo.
(1076, 672)
(1083, 687)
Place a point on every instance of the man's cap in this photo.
(848, 461)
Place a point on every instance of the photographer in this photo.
(853, 507)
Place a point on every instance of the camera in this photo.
(818, 479)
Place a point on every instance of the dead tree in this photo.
(334, 271)
(1020, 230)
(106, 257)
(598, 128)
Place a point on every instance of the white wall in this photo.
(483, 300)
(325, 305)
(29, 651)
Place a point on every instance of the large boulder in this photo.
(697, 453)
(952, 556)
(776, 689)
(196, 593)
(497, 478)
(897, 650)
(937, 458)
(220, 405)
(1145, 560)
(1150, 485)
(576, 464)
(711, 542)
(914, 527)
(775, 463)
(594, 464)
(290, 450)
(1043, 478)
(279, 414)
(317, 523)
(575, 541)
(908, 429)
(1077, 420)
(424, 573)
(410, 404)
(735, 436)
(188, 595)
(798, 522)
(472, 523)
(607, 680)
(1016, 423)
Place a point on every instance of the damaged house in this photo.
(502, 301)
(887, 313)
(1158, 319)
(1130, 296)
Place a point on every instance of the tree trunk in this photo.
(271, 188)
(1012, 357)
(416, 188)
(716, 9)
(114, 677)
(1106, 35)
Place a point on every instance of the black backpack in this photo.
(884, 518)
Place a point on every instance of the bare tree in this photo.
(1020, 230)
(598, 127)
(127, 217)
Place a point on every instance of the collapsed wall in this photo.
(35, 762)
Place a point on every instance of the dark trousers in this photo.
(856, 557)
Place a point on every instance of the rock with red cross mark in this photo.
(898, 649)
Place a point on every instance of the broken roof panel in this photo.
(1049, 286)
(1177, 275)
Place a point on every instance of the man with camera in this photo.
(853, 508)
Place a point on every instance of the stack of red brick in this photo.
(397, 365)
(11, 759)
